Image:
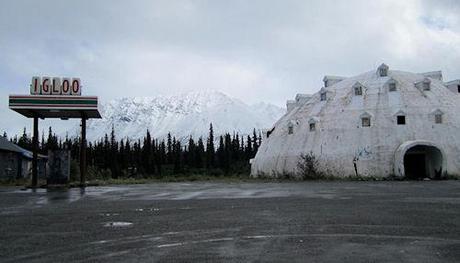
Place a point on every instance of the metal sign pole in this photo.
(83, 152)
(35, 154)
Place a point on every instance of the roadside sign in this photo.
(55, 86)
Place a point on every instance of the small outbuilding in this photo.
(16, 162)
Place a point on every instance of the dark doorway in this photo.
(423, 161)
(414, 165)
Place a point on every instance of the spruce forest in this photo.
(109, 158)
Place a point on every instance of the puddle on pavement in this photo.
(118, 224)
(147, 209)
(109, 214)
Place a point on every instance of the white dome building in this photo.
(380, 123)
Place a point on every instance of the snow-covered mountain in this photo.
(182, 115)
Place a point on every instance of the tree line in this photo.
(228, 154)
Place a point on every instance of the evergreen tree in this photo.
(177, 157)
(147, 154)
(24, 141)
(14, 139)
(113, 141)
(161, 156)
(89, 154)
(113, 155)
(191, 152)
(227, 152)
(236, 147)
(122, 155)
(255, 145)
(199, 153)
(248, 151)
(128, 154)
(169, 150)
(210, 150)
(43, 144)
(52, 141)
(260, 139)
(220, 152)
(106, 150)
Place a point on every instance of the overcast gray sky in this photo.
(255, 50)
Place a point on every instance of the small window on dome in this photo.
(401, 120)
(323, 96)
(366, 121)
(438, 118)
(290, 129)
(458, 88)
(312, 124)
(392, 87)
(358, 91)
(426, 85)
(382, 70)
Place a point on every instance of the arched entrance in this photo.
(419, 159)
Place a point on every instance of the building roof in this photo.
(49, 106)
(8, 146)
(331, 77)
(433, 74)
(452, 82)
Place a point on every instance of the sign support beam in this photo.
(35, 154)
(83, 152)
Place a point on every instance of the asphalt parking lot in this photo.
(417, 221)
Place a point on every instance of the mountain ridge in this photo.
(183, 115)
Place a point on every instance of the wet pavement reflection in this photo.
(217, 221)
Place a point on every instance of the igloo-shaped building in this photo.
(380, 123)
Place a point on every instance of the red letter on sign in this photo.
(45, 86)
(56, 86)
(75, 87)
(35, 86)
(65, 86)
